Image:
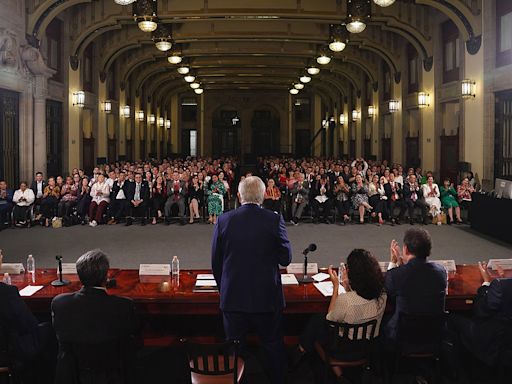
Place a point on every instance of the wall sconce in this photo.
(107, 106)
(125, 111)
(468, 89)
(371, 111)
(161, 122)
(152, 119)
(79, 99)
(168, 124)
(140, 115)
(394, 106)
(356, 115)
(342, 119)
(423, 99)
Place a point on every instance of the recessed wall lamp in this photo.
(356, 115)
(161, 122)
(168, 124)
(107, 106)
(343, 119)
(152, 119)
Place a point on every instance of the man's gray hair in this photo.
(92, 268)
(252, 190)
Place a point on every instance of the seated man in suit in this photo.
(6, 195)
(119, 202)
(176, 194)
(28, 342)
(91, 324)
(414, 285)
(413, 197)
(248, 246)
(300, 198)
(138, 195)
(489, 331)
(393, 191)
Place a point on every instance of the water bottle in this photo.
(31, 267)
(175, 266)
(6, 279)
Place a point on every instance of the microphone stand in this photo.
(60, 282)
(304, 279)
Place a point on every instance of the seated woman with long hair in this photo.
(215, 194)
(364, 300)
(195, 198)
(360, 197)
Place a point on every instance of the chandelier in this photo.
(175, 56)
(294, 91)
(199, 91)
(183, 70)
(195, 85)
(323, 58)
(312, 70)
(189, 78)
(162, 38)
(298, 86)
(384, 3)
(124, 2)
(305, 79)
(338, 38)
(145, 15)
(357, 11)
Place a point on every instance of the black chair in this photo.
(350, 347)
(7, 372)
(419, 338)
(214, 363)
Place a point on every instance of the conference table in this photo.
(169, 307)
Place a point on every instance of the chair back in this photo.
(420, 334)
(213, 359)
(355, 339)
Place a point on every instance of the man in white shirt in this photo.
(119, 199)
(23, 199)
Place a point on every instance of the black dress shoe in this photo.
(128, 222)
(143, 222)
(393, 221)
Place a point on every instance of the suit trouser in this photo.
(170, 202)
(96, 210)
(21, 212)
(392, 204)
(316, 205)
(5, 209)
(140, 211)
(268, 327)
(119, 208)
(418, 203)
(298, 208)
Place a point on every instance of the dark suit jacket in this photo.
(492, 316)
(33, 187)
(116, 189)
(18, 324)
(389, 192)
(407, 191)
(144, 192)
(170, 189)
(418, 287)
(89, 317)
(248, 246)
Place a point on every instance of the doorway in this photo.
(226, 128)
(265, 133)
(53, 138)
(9, 137)
(449, 158)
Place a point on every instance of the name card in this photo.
(155, 269)
(449, 265)
(298, 268)
(503, 263)
(289, 279)
(12, 268)
(69, 269)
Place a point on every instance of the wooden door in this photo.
(386, 149)
(112, 150)
(412, 152)
(9, 137)
(88, 160)
(449, 158)
(53, 138)
(302, 142)
(503, 136)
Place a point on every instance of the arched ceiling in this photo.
(241, 44)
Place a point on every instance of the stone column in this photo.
(428, 132)
(397, 136)
(375, 137)
(40, 145)
(101, 139)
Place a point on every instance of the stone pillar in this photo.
(397, 136)
(74, 123)
(375, 137)
(101, 123)
(138, 125)
(359, 127)
(201, 132)
(40, 155)
(335, 136)
(175, 124)
(345, 129)
(317, 122)
(428, 133)
(291, 147)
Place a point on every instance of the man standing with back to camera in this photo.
(248, 246)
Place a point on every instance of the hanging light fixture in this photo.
(145, 15)
(305, 79)
(468, 89)
(423, 99)
(125, 111)
(79, 99)
(183, 70)
(294, 91)
(189, 78)
(152, 119)
(199, 91)
(195, 85)
(323, 57)
(175, 56)
(161, 121)
(312, 70)
(358, 11)
(343, 119)
(124, 2)
(140, 115)
(394, 106)
(162, 38)
(356, 115)
(298, 86)
(107, 106)
(339, 38)
(168, 124)
(384, 3)
(371, 111)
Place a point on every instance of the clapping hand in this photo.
(482, 266)
(396, 254)
(334, 277)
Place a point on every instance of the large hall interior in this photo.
(139, 134)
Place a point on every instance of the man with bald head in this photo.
(249, 244)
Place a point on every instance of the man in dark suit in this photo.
(176, 195)
(38, 185)
(119, 202)
(394, 194)
(489, 331)
(414, 285)
(138, 195)
(413, 197)
(6, 195)
(91, 325)
(248, 246)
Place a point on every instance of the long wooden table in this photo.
(180, 299)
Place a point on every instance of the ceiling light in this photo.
(305, 79)
(195, 85)
(294, 91)
(339, 38)
(199, 91)
(124, 2)
(162, 38)
(147, 25)
(337, 46)
(312, 70)
(323, 59)
(358, 11)
(183, 70)
(174, 59)
(189, 78)
(298, 86)
(145, 15)
(384, 3)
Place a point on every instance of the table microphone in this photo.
(305, 278)
(60, 282)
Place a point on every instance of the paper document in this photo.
(289, 279)
(30, 290)
(326, 288)
(320, 276)
(155, 269)
(206, 283)
(205, 276)
(503, 263)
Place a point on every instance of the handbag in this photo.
(435, 219)
(57, 222)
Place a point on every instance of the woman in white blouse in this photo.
(100, 195)
(362, 299)
(431, 193)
